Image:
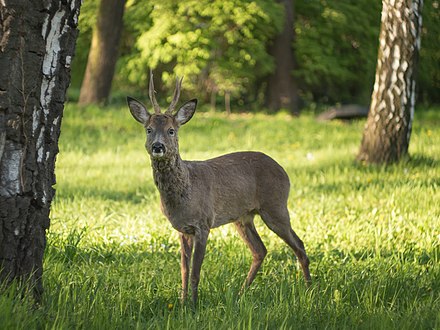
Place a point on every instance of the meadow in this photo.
(372, 233)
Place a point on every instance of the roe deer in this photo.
(199, 195)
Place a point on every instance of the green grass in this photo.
(112, 259)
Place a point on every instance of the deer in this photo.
(197, 196)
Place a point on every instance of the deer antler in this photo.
(152, 96)
(175, 96)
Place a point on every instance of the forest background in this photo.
(223, 48)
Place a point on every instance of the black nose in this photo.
(158, 147)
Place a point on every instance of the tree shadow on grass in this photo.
(134, 196)
(422, 161)
(354, 176)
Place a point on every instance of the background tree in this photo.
(281, 87)
(388, 128)
(37, 41)
(103, 53)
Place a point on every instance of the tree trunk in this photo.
(37, 41)
(281, 87)
(388, 129)
(228, 102)
(103, 53)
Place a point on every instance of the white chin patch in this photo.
(158, 154)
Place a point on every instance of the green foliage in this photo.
(112, 259)
(222, 46)
(86, 23)
(429, 66)
(336, 49)
(137, 20)
(217, 45)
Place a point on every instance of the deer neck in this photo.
(172, 180)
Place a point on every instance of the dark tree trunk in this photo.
(37, 41)
(281, 88)
(388, 129)
(103, 53)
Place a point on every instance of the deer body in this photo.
(220, 190)
(199, 195)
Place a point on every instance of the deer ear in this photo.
(138, 110)
(186, 111)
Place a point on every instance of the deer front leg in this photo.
(186, 246)
(200, 240)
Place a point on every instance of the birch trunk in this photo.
(388, 129)
(37, 41)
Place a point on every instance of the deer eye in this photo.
(149, 130)
(172, 132)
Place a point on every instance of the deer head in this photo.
(162, 128)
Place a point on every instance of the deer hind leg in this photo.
(246, 229)
(186, 246)
(279, 222)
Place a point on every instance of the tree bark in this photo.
(388, 129)
(37, 41)
(103, 53)
(281, 87)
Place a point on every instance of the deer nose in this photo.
(158, 148)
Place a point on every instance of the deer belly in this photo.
(228, 217)
(183, 226)
(186, 221)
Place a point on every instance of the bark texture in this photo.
(281, 88)
(388, 129)
(37, 40)
(103, 53)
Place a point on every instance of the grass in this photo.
(112, 259)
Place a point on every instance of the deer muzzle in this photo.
(158, 149)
